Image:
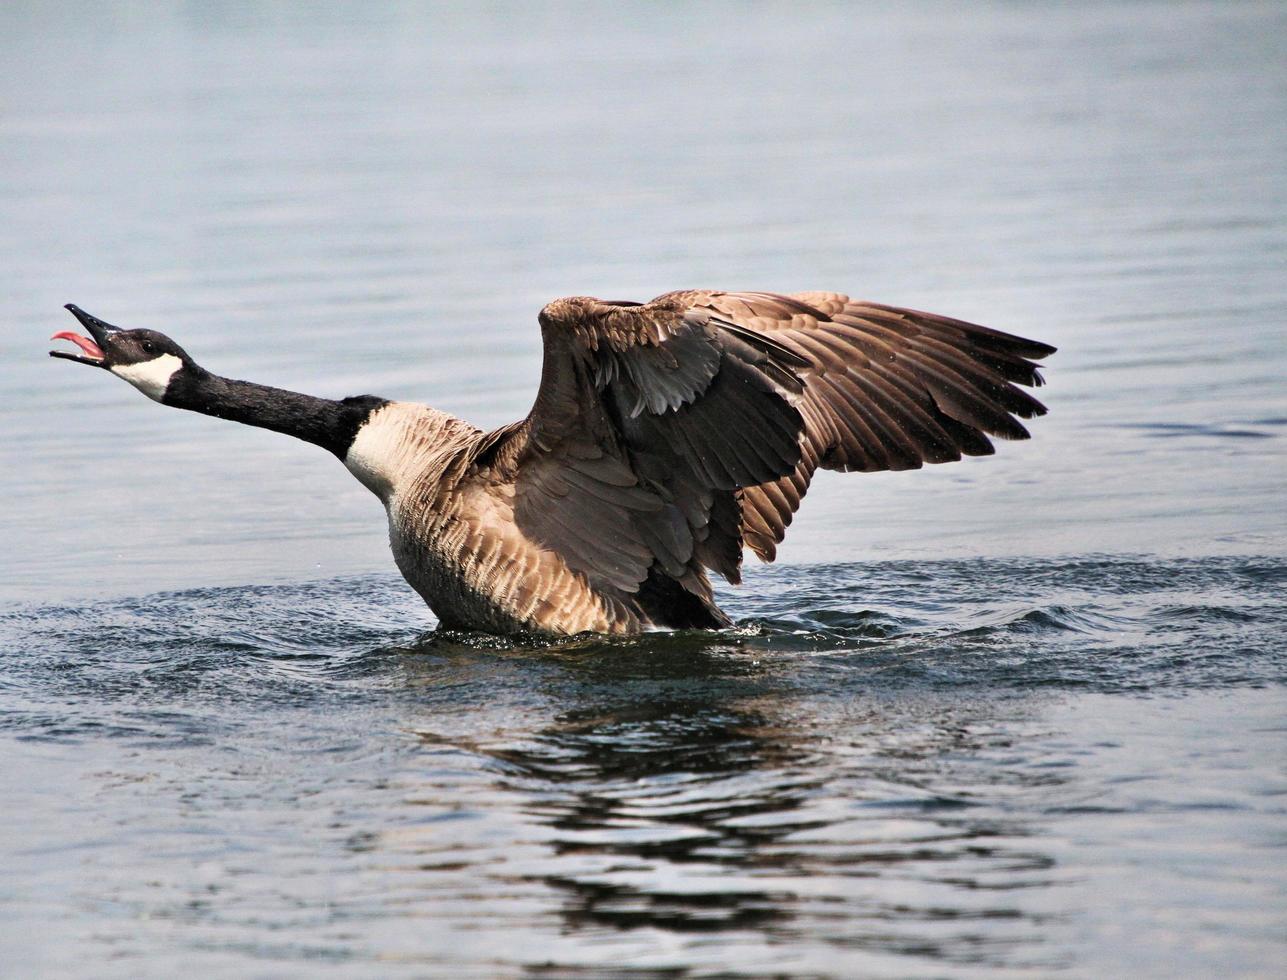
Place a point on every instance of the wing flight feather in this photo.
(886, 389)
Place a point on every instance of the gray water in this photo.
(1020, 715)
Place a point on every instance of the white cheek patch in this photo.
(150, 377)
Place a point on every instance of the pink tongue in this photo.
(90, 348)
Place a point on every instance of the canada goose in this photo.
(665, 437)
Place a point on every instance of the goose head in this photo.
(148, 360)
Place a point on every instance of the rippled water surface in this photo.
(1022, 715)
(1081, 767)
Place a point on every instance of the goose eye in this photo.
(149, 347)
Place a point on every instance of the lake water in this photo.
(1019, 715)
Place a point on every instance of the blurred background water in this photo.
(1020, 714)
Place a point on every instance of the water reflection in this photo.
(663, 799)
(703, 792)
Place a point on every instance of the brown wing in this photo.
(886, 389)
(648, 420)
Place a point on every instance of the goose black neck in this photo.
(333, 425)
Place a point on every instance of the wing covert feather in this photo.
(648, 420)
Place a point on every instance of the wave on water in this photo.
(1106, 623)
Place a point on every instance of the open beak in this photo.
(91, 350)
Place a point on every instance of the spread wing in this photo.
(670, 434)
(886, 389)
(648, 420)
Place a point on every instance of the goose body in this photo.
(665, 438)
(454, 535)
